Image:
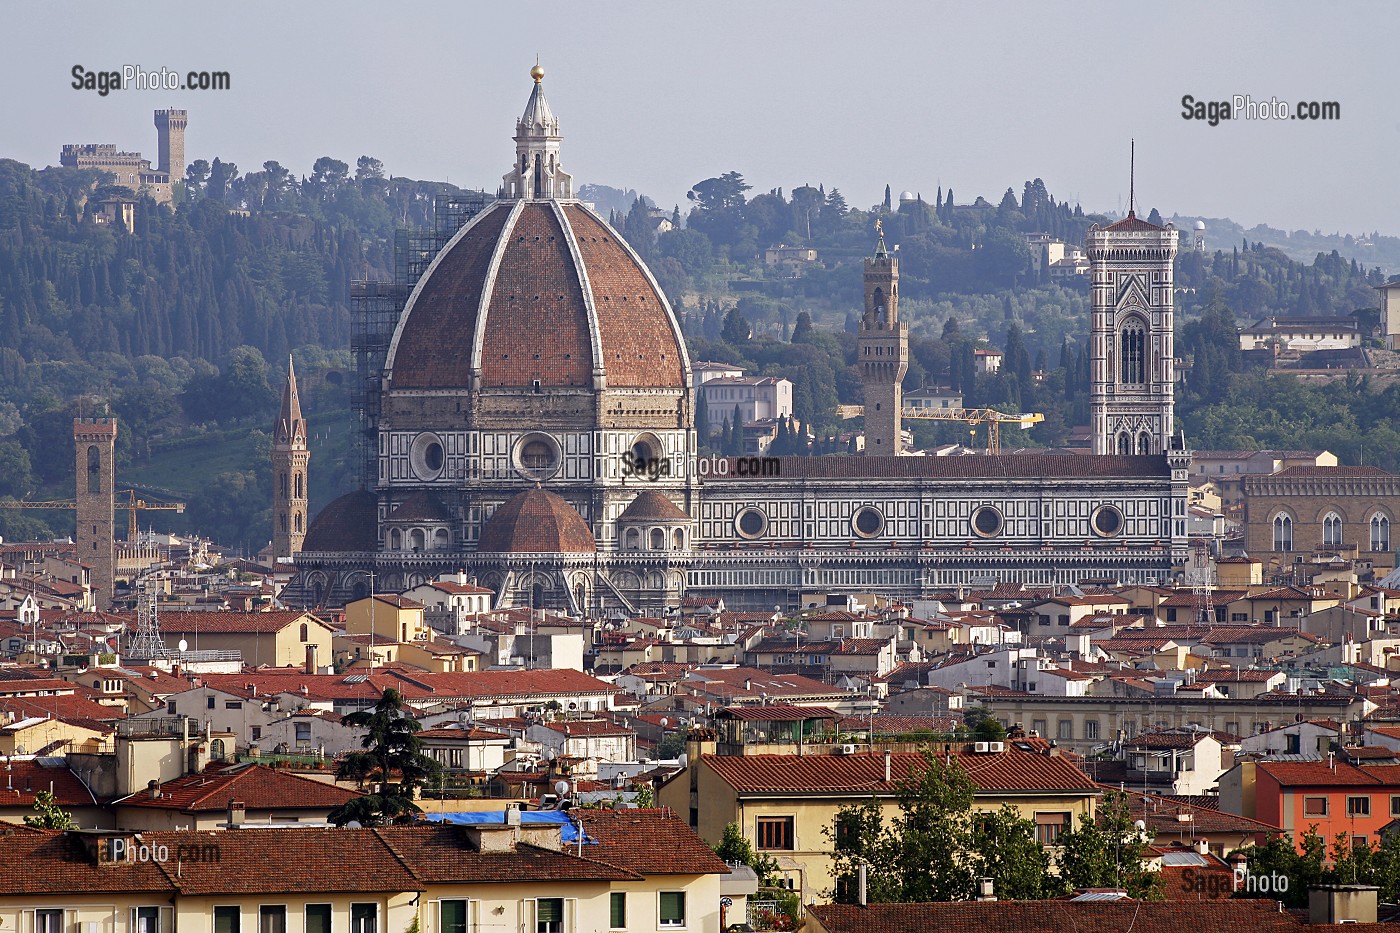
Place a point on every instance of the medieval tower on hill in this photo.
(884, 354)
(95, 441)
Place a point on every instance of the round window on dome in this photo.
(426, 456)
(868, 522)
(987, 521)
(537, 456)
(751, 523)
(1107, 521)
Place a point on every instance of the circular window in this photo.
(426, 456)
(986, 521)
(751, 523)
(868, 522)
(537, 456)
(1107, 521)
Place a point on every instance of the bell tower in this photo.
(290, 456)
(1132, 367)
(884, 353)
(95, 441)
(537, 173)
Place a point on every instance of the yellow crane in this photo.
(992, 418)
(131, 504)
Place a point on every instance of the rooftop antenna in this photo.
(1132, 174)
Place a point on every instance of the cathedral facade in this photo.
(535, 428)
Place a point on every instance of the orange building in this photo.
(1337, 798)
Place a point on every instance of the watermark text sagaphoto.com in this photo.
(134, 77)
(1244, 107)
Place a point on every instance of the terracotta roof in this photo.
(229, 622)
(259, 787)
(1319, 774)
(57, 863)
(26, 777)
(536, 521)
(1009, 466)
(420, 507)
(647, 842)
(448, 586)
(1133, 224)
(587, 728)
(1063, 916)
(652, 505)
(438, 854)
(1336, 472)
(776, 713)
(1005, 772)
(349, 523)
(541, 313)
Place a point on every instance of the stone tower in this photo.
(537, 173)
(95, 441)
(1132, 373)
(170, 134)
(290, 456)
(884, 353)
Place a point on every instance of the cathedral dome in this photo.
(537, 292)
(536, 521)
(347, 524)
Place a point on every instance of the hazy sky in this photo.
(658, 95)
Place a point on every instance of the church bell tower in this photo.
(290, 456)
(884, 353)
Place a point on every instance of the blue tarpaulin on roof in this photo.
(478, 818)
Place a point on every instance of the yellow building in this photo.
(387, 616)
(277, 639)
(785, 804)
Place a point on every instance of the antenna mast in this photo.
(1132, 175)
(146, 644)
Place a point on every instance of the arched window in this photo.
(658, 539)
(1283, 533)
(94, 457)
(417, 540)
(441, 539)
(395, 540)
(305, 632)
(633, 540)
(678, 539)
(1132, 345)
(282, 485)
(1125, 443)
(1332, 530)
(1380, 532)
(282, 516)
(298, 522)
(1144, 443)
(301, 487)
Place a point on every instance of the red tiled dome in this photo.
(536, 521)
(651, 505)
(347, 524)
(537, 291)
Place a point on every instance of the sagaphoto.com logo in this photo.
(137, 78)
(1244, 107)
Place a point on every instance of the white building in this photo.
(757, 397)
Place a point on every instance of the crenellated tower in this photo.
(170, 142)
(95, 441)
(884, 353)
(290, 456)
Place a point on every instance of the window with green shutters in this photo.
(617, 910)
(318, 918)
(672, 909)
(452, 916)
(549, 915)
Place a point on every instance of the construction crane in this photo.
(131, 504)
(992, 418)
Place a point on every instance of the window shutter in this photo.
(570, 914)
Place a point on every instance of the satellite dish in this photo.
(550, 754)
(683, 760)
(665, 722)
(354, 824)
(561, 787)
(184, 645)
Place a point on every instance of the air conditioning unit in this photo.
(845, 749)
(982, 748)
(996, 746)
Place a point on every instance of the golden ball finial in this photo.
(537, 73)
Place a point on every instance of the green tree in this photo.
(1107, 852)
(392, 761)
(1008, 852)
(736, 330)
(48, 814)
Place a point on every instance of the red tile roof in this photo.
(348, 524)
(259, 787)
(647, 842)
(228, 622)
(26, 777)
(1008, 771)
(1320, 774)
(536, 521)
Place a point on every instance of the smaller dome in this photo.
(907, 196)
(421, 507)
(347, 524)
(536, 521)
(652, 506)
(1200, 225)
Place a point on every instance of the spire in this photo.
(537, 172)
(290, 423)
(880, 251)
(1132, 175)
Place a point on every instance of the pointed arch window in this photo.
(1332, 530)
(1144, 443)
(1380, 532)
(1132, 354)
(1283, 532)
(1125, 443)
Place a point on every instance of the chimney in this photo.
(889, 756)
(1342, 903)
(310, 659)
(862, 874)
(986, 889)
(153, 788)
(237, 810)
